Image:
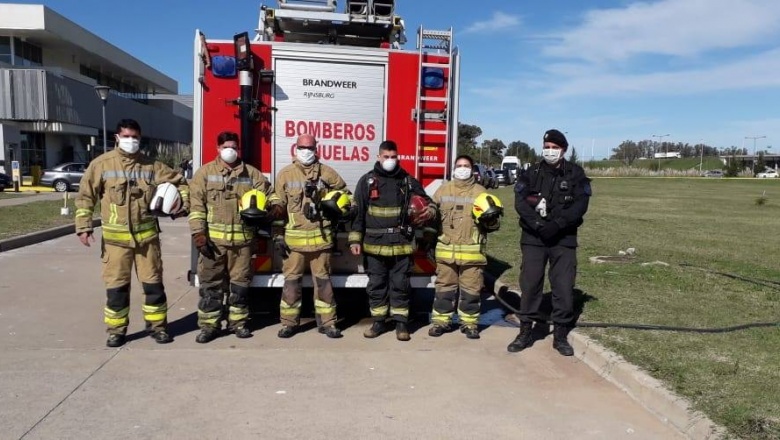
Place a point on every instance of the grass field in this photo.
(715, 224)
(30, 217)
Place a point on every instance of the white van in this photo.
(512, 164)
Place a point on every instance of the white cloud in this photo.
(499, 21)
(748, 73)
(669, 27)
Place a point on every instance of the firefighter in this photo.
(551, 198)
(460, 251)
(224, 241)
(123, 181)
(308, 237)
(382, 233)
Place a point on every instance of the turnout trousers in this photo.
(388, 286)
(563, 270)
(457, 287)
(118, 263)
(293, 268)
(224, 282)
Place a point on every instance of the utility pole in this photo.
(754, 150)
(660, 137)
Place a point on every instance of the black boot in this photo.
(402, 332)
(286, 332)
(437, 330)
(206, 335)
(115, 340)
(523, 340)
(242, 332)
(471, 331)
(162, 337)
(560, 342)
(330, 331)
(375, 330)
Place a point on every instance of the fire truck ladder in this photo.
(432, 113)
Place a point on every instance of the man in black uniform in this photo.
(381, 231)
(551, 198)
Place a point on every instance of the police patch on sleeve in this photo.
(519, 186)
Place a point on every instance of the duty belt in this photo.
(383, 230)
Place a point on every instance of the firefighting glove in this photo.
(182, 213)
(549, 231)
(277, 212)
(203, 245)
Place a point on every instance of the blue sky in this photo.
(602, 70)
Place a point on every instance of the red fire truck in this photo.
(344, 77)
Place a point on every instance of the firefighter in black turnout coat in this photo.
(551, 198)
(382, 232)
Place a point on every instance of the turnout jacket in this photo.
(379, 217)
(301, 233)
(216, 190)
(460, 242)
(567, 191)
(124, 184)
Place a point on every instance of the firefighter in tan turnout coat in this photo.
(123, 181)
(224, 241)
(308, 236)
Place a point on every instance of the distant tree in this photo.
(522, 150)
(573, 158)
(734, 166)
(627, 151)
(491, 152)
(467, 139)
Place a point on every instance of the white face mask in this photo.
(129, 145)
(229, 155)
(389, 164)
(462, 173)
(305, 156)
(552, 155)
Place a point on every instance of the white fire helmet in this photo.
(166, 200)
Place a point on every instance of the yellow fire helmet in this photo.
(487, 210)
(335, 204)
(251, 206)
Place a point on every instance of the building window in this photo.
(33, 150)
(27, 54)
(5, 50)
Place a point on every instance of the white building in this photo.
(49, 111)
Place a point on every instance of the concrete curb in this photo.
(40, 236)
(646, 390)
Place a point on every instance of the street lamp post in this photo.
(754, 150)
(660, 137)
(102, 93)
(701, 161)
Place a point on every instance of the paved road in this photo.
(23, 198)
(57, 380)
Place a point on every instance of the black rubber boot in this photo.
(331, 331)
(560, 341)
(437, 330)
(402, 332)
(162, 337)
(286, 332)
(523, 340)
(471, 331)
(376, 329)
(242, 332)
(206, 335)
(115, 340)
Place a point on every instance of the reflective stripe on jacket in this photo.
(124, 185)
(460, 241)
(216, 191)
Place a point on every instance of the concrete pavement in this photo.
(57, 379)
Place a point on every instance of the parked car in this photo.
(491, 181)
(768, 174)
(712, 173)
(504, 177)
(64, 177)
(5, 181)
(479, 173)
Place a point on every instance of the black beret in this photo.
(556, 137)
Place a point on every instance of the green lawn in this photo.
(715, 224)
(7, 194)
(30, 217)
